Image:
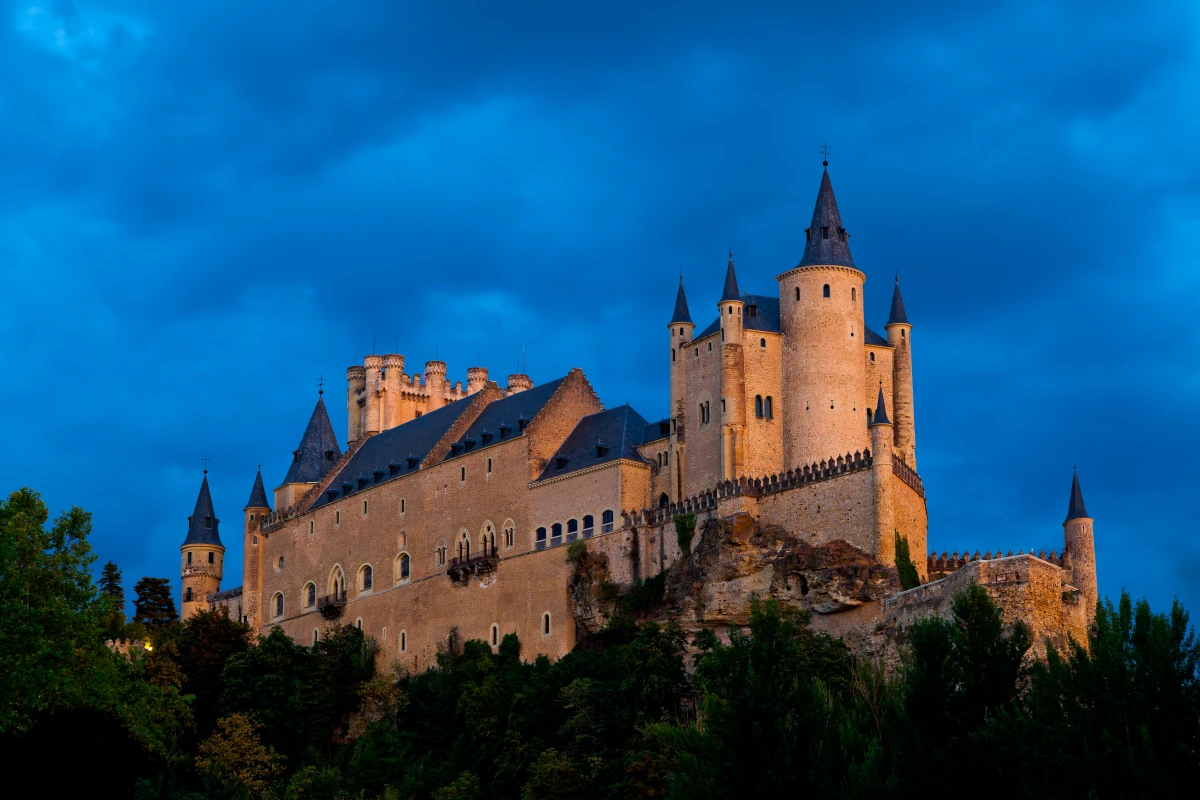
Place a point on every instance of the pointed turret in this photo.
(258, 494)
(681, 307)
(730, 292)
(1076, 509)
(202, 524)
(897, 315)
(881, 417)
(827, 242)
(318, 449)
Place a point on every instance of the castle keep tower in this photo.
(1081, 546)
(202, 555)
(899, 336)
(256, 512)
(680, 330)
(821, 316)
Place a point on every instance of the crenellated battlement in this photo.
(946, 564)
(907, 474)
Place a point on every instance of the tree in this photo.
(909, 577)
(153, 605)
(235, 758)
(50, 612)
(202, 646)
(113, 593)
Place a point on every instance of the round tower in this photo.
(881, 483)
(899, 336)
(202, 556)
(393, 391)
(1080, 543)
(435, 383)
(372, 412)
(519, 382)
(679, 334)
(257, 509)
(821, 318)
(356, 387)
(733, 377)
(476, 379)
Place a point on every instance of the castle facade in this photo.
(451, 505)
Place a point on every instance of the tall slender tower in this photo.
(1081, 545)
(256, 511)
(899, 336)
(821, 317)
(202, 555)
(679, 330)
(881, 483)
(733, 377)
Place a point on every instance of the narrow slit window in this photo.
(825, 291)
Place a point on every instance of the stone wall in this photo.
(762, 448)
(703, 454)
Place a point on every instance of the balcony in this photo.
(331, 605)
(473, 563)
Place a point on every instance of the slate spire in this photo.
(1076, 509)
(203, 523)
(827, 242)
(258, 495)
(897, 315)
(730, 292)
(318, 450)
(881, 417)
(681, 308)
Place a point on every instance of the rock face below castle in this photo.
(847, 591)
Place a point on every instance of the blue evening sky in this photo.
(205, 206)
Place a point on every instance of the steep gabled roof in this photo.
(871, 337)
(599, 439)
(508, 411)
(897, 315)
(657, 430)
(730, 292)
(828, 243)
(680, 314)
(881, 417)
(203, 523)
(765, 318)
(258, 494)
(1076, 508)
(318, 450)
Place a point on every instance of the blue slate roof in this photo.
(657, 430)
(1076, 509)
(897, 312)
(871, 337)
(765, 316)
(881, 417)
(507, 411)
(828, 242)
(598, 439)
(258, 494)
(680, 314)
(318, 450)
(203, 523)
(730, 292)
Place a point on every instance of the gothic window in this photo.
(769, 408)
(825, 291)
(663, 500)
(405, 566)
(441, 555)
(278, 604)
(337, 583)
(758, 405)
(365, 579)
(464, 546)
(546, 624)
(510, 533)
(697, 352)
(310, 595)
(489, 538)
(495, 635)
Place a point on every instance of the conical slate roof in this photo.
(1076, 509)
(828, 243)
(203, 523)
(318, 449)
(881, 417)
(730, 292)
(681, 309)
(258, 495)
(897, 315)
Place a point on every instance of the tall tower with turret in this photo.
(679, 333)
(821, 318)
(733, 377)
(1081, 546)
(202, 555)
(257, 509)
(316, 455)
(899, 336)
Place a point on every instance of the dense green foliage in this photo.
(637, 710)
(685, 529)
(909, 577)
(154, 607)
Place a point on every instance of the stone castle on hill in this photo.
(791, 442)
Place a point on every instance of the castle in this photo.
(451, 506)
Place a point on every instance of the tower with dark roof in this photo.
(202, 555)
(824, 364)
(882, 482)
(316, 455)
(1080, 543)
(679, 333)
(899, 336)
(730, 407)
(256, 512)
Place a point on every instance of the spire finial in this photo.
(206, 459)
(320, 390)
(825, 148)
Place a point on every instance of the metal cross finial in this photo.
(825, 148)
(321, 385)
(206, 459)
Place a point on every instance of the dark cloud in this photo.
(207, 206)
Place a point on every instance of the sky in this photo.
(206, 207)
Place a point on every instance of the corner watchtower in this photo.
(1080, 544)
(202, 555)
(680, 331)
(257, 509)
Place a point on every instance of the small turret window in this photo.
(872, 358)
(824, 231)
(672, 355)
(758, 405)
(208, 522)
(825, 291)
(681, 333)
(187, 596)
(853, 293)
(797, 292)
(189, 558)
(807, 238)
(210, 558)
(762, 342)
(769, 406)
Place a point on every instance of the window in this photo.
(825, 234)
(762, 342)
(489, 472)
(337, 583)
(403, 641)
(758, 405)
(210, 558)
(572, 530)
(189, 557)
(256, 540)
(666, 458)
(606, 520)
(722, 405)
(402, 572)
(541, 539)
(462, 474)
(902, 333)
(546, 624)
(872, 358)
(672, 355)
(587, 526)
(208, 522)
(769, 406)
(660, 459)
(853, 294)
(663, 500)
(556, 534)
(310, 595)
(365, 578)
(510, 534)
(710, 347)
(489, 538)
(364, 508)
(280, 564)
(869, 415)
(825, 291)
(312, 527)
(697, 352)
(187, 596)
(681, 333)
(797, 292)
(252, 517)
(337, 518)
(495, 635)
(441, 556)
(401, 505)
(315, 635)
(278, 605)
(358, 623)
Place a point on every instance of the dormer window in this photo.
(394, 468)
(560, 461)
(208, 522)
(378, 473)
(807, 235)
(824, 231)
(601, 450)
(522, 424)
(504, 430)
(468, 444)
(487, 437)
(295, 456)
(455, 447)
(752, 310)
(363, 482)
(347, 488)
(329, 454)
(332, 495)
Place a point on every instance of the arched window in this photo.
(556, 534)
(825, 291)
(769, 407)
(758, 405)
(663, 500)
(541, 539)
(872, 358)
(464, 546)
(277, 604)
(606, 522)
(546, 624)
(587, 526)
(404, 567)
(797, 292)
(310, 595)
(762, 342)
(463, 474)
(187, 595)
(495, 635)
(358, 623)
(572, 530)
(869, 416)
(510, 533)
(401, 505)
(488, 538)
(902, 333)
(403, 641)
(364, 508)
(315, 635)
(710, 347)
(853, 294)
(659, 459)
(489, 471)
(365, 578)
(672, 355)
